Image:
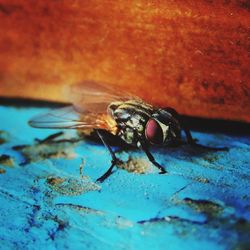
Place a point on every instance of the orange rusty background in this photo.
(191, 55)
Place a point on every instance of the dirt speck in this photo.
(135, 165)
(202, 180)
(4, 137)
(211, 158)
(242, 225)
(54, 180)
(53, 146)
(209, 208)
(2, 171)
(6, 160)
(71, 186)
(80, 208)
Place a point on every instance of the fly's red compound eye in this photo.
(153, 132)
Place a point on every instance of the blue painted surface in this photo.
(202, 203)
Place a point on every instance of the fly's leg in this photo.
(50, 138)
(190, 139)
(107, 174)
(192, 142)
(114, 160)
(151, 158)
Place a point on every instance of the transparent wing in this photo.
(95, 96)
(90, 101)
(68, 118)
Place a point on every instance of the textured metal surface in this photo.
(202, 203)
(190, 55)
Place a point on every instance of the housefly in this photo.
(107, 109)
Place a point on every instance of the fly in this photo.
(106, 108)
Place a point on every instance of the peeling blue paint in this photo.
(202, 203)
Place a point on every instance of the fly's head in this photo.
(162, 128)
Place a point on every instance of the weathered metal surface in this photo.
(191, 55)
(49, 200)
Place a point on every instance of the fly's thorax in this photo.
(131, 117)
(112, 107)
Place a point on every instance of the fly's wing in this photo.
(68, 118)
(95, 97)
(90, 101)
